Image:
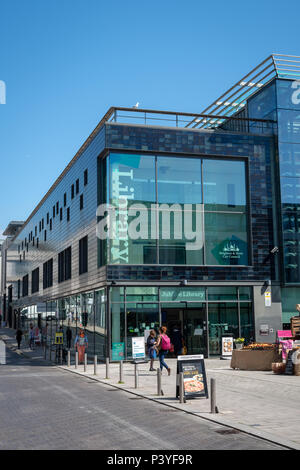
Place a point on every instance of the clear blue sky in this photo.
(65, 62)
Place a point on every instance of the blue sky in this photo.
(65, 62)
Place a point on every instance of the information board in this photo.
(138, 347)
(194, 376)
(117, 353)
(227, 345)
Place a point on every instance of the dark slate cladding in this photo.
(257, 148)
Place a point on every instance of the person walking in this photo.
(19, 334)
(81, 343)
(177, 340)
(31, 336)
(69, 337)
(151, 345)
(164, 344)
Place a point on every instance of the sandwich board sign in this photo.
(194, 376)
(138, 347)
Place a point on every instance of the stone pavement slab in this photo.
(258, 402)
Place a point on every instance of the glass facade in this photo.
(202, 313)
(177, 210)
(87, 310)
(289, 161)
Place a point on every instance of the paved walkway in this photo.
(260, 403)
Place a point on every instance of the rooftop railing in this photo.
(211, 122)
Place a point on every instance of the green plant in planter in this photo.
(239, 340)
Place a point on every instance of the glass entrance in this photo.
(186, 326)
(222, 319)
(195, 332)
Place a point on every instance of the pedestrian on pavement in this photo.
(151, 346)
(69, 337)
(164, 345)
(177, 340)
(31, 336)
(45, 334)
(19, 334)
(81, 344)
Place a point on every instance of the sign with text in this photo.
(194, 376)
(268, 301)
(138, 347)
(227, 346)
(118, 351)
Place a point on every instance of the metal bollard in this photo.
(85, 362)
(136, 376)
(95, 364)
(69, 358)
(45, 352)
(121, 373)
(107, 368)
(76, 360)
(61, 355)
(50, 353)
(213, 407)
(159, 382)
(181, 389)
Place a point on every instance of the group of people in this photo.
(160, 345)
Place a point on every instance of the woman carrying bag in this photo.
(164, 345)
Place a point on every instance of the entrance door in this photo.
(223, 319)
(195, 330)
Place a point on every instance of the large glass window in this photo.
(179, 180)
(224, 185)
(289, 126)
(288, 94)
(179, 228)
(226, 239)
(222, 317)
(289, 155)
(262, 103)
(139, 318)
(132, 181)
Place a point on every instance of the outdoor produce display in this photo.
(281, 357)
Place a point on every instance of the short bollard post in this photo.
(159, 382)
(95, 364)
(136, 376)
(107, 368)
(69, 358)
(85, 362)
(50, 353)
(76, 360)
(121, 373)
(61, 355)
(45, 351)
(213, 406)
(181, 388)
